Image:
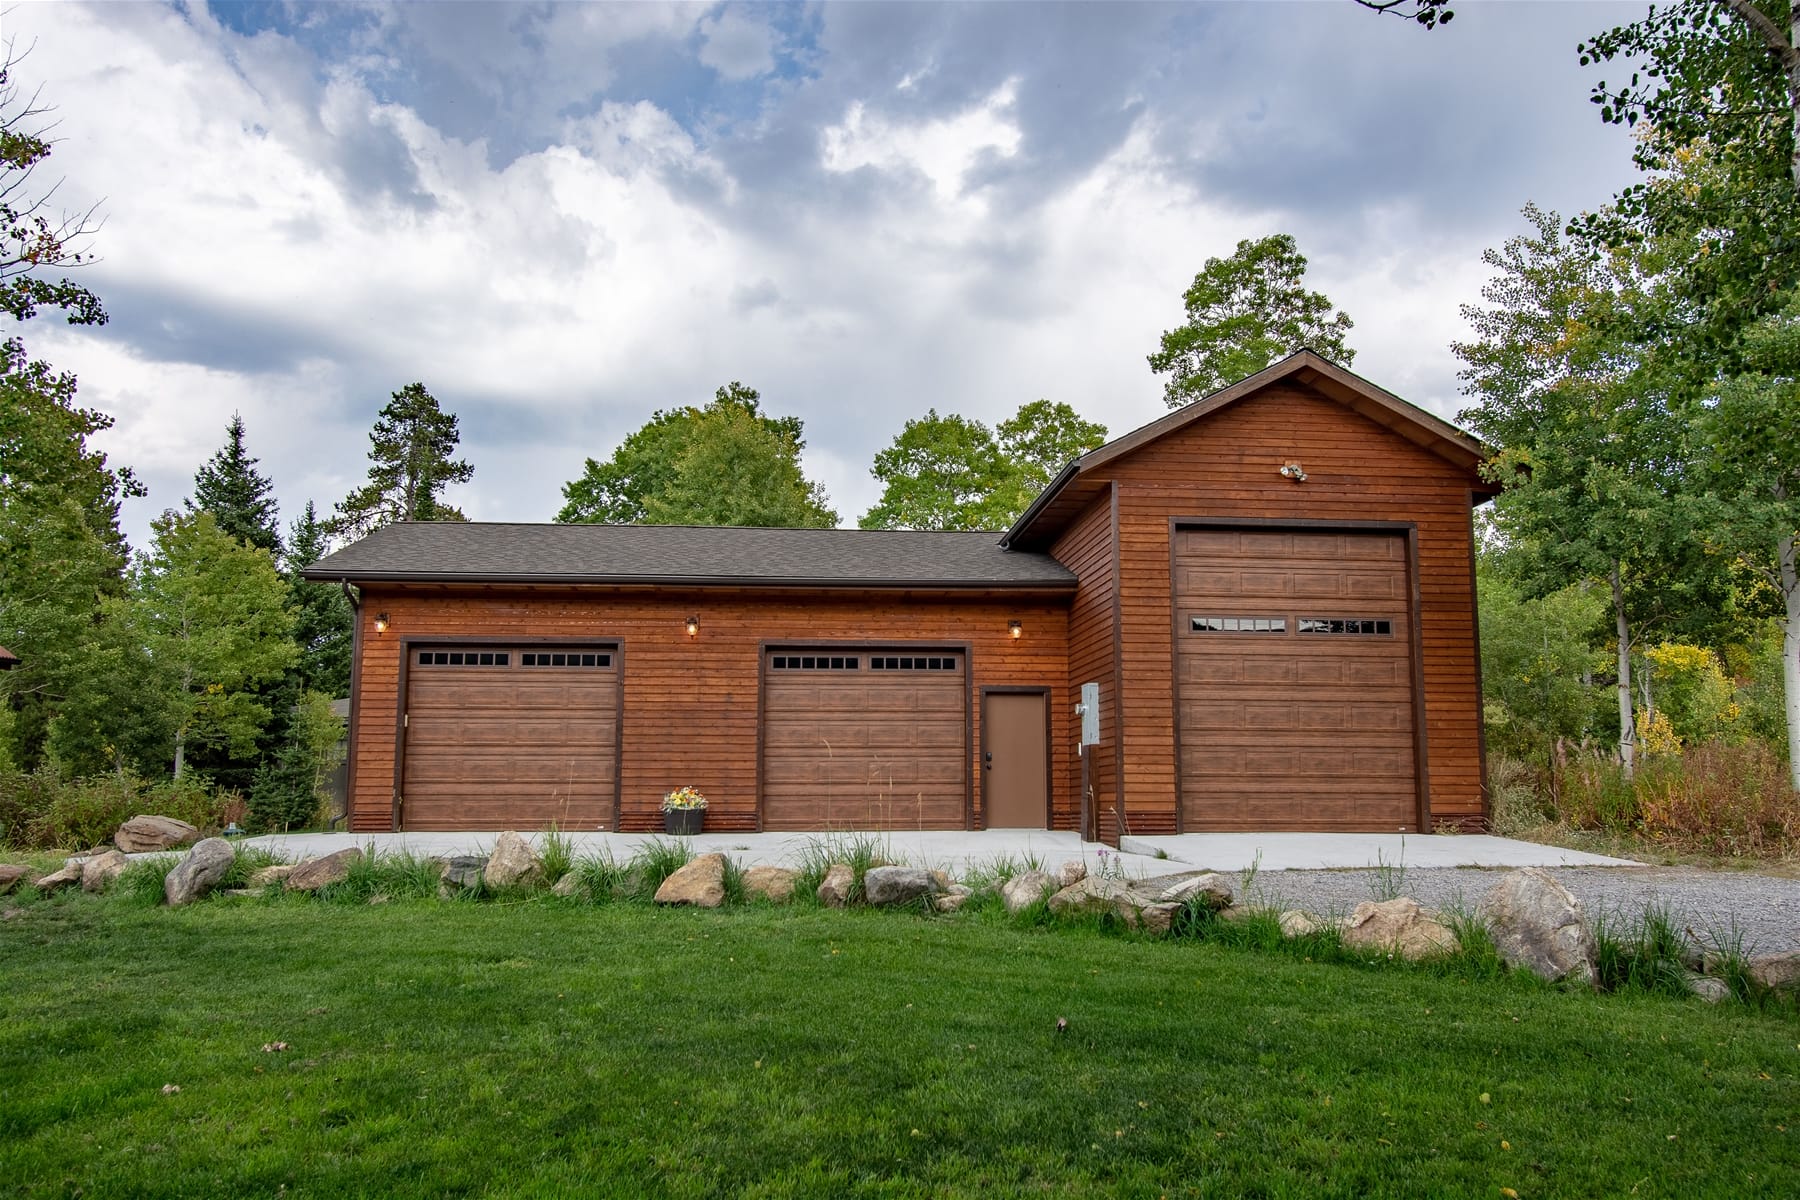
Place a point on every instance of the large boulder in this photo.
(316, 873)
(98, 872)
(1778, 972)
(146, 834)
(1148, 904)
(68, 876)
(512, 864)
(199, 871)
(700, 883)
(12, 875)
(839, 882)
(952, 898)
(1027, 888)
(1538, 925)
(1299, 923)
(1071, 872)
(771, 883)
(884, 886)
(1213, 889)
(273, 873)
(1398, 927)
(568, 886)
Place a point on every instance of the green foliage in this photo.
(45, 810)
(240, 498)
(1244, 313)
(951, 472)
(655, 861)
(1690, 691)
(859, 852)
(724, 464)
(212, 614)
(288, 791)
(556, 853)
(324, 623)
(1642, 955)
(410, 451)
(32, 238)
(1535, 654)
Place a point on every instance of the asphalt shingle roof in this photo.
(444, 552)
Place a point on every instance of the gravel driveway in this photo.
(1762, 909)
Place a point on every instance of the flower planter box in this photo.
(683, 822)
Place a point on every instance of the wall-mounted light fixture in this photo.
(381, 622)
(1292, 471)
(1017, 630)
(693, 626)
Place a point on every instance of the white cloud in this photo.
(737, 47)
(942, 149)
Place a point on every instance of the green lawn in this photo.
(549, 1049)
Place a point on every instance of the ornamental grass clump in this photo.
(655, 861)
(556, 854)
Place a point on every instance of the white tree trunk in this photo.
(1627, 727)
(180, 750)
(1790, 651)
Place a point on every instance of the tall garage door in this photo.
(865, 740)
(1294, 670)
(510, 737)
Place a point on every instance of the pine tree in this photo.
(240, 498)
(323, 621)
(410, 448)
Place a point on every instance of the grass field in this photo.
(539, 1048)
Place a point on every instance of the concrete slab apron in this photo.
(955, 851)
(1352, 851)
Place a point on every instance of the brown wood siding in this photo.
(1087, 550)
(690, 705)
(1283, 726)
(1227, 466)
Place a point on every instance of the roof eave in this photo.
(685, 581)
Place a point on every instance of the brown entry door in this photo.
(1293, 656)
(510, 737)
(1015, 770)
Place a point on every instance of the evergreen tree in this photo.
(240, 498)
(410, 449)
(323, 619)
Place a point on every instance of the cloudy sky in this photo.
(563, 217)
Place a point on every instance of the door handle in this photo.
(987, 761)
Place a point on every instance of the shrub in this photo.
(44, 811)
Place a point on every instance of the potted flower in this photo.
(683, 809)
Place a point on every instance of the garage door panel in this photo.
(505, 746)
(1285, 729)
(865, 748)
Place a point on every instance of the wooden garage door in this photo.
(1294, 669)
(510, 737)
(872, 739)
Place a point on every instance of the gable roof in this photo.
(700, 556)
(1066, 496)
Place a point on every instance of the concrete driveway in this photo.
(956, 851)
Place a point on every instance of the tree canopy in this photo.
(1243, 313)
(240, 498)
(410, 451)
(951, 472)
(726, 463)
(34, 239)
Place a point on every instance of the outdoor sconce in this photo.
(381, 622)
(1017, 630)
(693, 626)
(1292, 471)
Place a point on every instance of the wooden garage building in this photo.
(1272, 588)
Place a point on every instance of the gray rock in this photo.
(462, 871)
(1399, 927)
(1022, 891)
(884, 886)
(1537, 925)
(198, 872)
(277, 873)
(68, 876)
(97, 873)
(949, 902)
(1713, 991)
(145, 834)
(316, 873)
(1296, 923)
(12, 875)
(1213, 888)
(771, 883)
(1139, 909)
(1236, 913)
(839, 881)
(700, 883)
(513, 863)
(1778, 972)
(1071, 872)
(569, 885)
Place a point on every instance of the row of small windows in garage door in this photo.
(779, 662)
(503, 658)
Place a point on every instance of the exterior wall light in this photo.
(381, 622)
(1292, 471)
(1017, 630)
(693, 626)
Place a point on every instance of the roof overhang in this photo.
(1082, 480)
